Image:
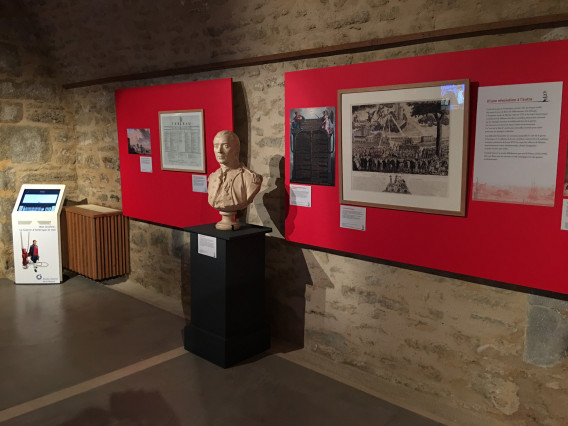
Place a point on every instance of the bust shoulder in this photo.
(251, 176)
(214, 175)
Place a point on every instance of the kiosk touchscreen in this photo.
(36, 234)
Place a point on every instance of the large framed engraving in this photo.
(405, 147)
(182, 141)
(312, 146)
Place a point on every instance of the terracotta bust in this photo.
(232, 187)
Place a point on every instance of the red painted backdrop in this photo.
(162, 196)
(512, 243)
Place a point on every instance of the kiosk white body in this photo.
(36, 234)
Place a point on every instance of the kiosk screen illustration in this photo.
(30, 257)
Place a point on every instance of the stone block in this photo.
(159, 241)
(178, 243)
(46, 114)
(64, 156)
(546, 336)
(502, 393)
(11, 112)
(7, 180)
(91, 162)
(28, 90)
(326, 338)
(111, 163)
(138, 239)
(271, 142)
(86, 138)
(25, 144)
(6, 206)
(548, 302)
(62, 137)
(6, 233)
(59, 176)
(10, 60)
(357, 18)
(39, 91)
(8, 90)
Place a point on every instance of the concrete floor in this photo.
(80, 353)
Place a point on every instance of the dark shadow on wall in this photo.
(272, 211)
(287, 275)
(241, 126)
(241, 120)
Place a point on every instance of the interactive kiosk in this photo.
(36, 234)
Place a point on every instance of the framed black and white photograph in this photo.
(312, 146)
(404, 147)
(182, 141)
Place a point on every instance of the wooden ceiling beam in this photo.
(477, 30)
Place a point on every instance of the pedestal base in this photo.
(224, 351)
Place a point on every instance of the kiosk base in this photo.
(227, 295)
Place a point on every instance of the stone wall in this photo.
(36, 143)
(456, 350)
(148, 36)
(460, 349)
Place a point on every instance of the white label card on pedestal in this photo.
(206, 245)
(300, 195)
(146, 164)
(564, 224)
(199, 183)
(353, 218)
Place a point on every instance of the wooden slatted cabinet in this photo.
(94, 241)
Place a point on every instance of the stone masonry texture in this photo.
(461, 352)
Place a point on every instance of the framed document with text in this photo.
(182, 141)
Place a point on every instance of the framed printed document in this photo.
(405, 147)
(182, 141)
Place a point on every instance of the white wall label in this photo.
(199, 183)
(353, 218)
(146, 164)
(300, 195)
(564, 224)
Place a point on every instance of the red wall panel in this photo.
(517, 244)
(162, 196)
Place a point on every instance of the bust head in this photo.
(226, 146)
(233, 186)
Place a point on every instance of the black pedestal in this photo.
(227, 296)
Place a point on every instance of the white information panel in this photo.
(36, 234)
